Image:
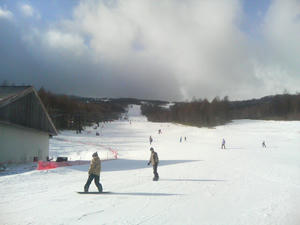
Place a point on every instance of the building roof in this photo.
(21, 106)
(8, 93)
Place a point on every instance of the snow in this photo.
(199, 183)
(168, 105)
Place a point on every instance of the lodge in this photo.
(25, 125)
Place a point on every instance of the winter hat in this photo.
(151, 149)
(95, 154)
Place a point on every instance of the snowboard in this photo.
(93, 192)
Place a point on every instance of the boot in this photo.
(100, 189)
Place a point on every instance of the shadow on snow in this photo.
(130, 164)
(107, 166)
(130, 193)
(197, 180)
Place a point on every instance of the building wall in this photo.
(27, 111)
(21, 144)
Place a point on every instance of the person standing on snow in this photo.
(154, 161)
(264, 144)
(150, 140)
(223, 144)
(94, 173)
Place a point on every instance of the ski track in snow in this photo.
(199, 183)
(88, 214)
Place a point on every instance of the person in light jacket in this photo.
(154, 161)
(94, 173)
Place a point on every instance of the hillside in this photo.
(244, 184)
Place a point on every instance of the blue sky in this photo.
(172, 50)
(254, 13)
(50, 10)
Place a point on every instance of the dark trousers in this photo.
(155, 171)
(90, 179)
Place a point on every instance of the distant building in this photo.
(25, 125)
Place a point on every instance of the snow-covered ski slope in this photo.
(199, 183)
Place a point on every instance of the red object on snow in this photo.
(115, 153)
(42, 165)
(46, 165)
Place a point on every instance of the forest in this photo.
(71, 112)
(203, 113)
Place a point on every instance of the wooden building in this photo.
(25, 125)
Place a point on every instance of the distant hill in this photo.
(121, 101)
(74, 112)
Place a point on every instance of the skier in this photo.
(154, 161)
(150, 140)
(180, 139)
(223, 144)
(185, 138)
(94, 173)
(264, 144)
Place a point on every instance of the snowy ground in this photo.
(199, 183)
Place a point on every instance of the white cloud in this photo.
(196, 43)
(6, 14)
(173, 49)
(28, 11)
(58, 39)
(279, 63)
(282, 27)
(55, 40)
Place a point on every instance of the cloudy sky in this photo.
(166, 49)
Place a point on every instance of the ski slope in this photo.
(244, 184)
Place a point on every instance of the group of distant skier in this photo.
(180, 139)
(224, 147)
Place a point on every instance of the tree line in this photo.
(70, 112)
(203, 113)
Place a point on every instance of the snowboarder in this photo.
(154, 161)
(264, 144)
(159, 131)
(223, 144)
(94, 173)
(150, 140)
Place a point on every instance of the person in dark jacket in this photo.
(264, 144)
(223, 144)
(154, 161)
(94, 173)
(150, 140)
